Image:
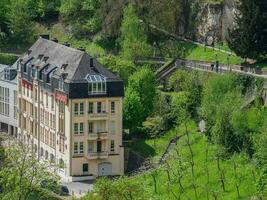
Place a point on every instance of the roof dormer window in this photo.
(61, 83)
(96, 84)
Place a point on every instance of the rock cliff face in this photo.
(215, 20)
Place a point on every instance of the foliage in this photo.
(7, 59)
(132, 110)
(124, 68)
(190, 83)
(177, 168)
(248, 39)
(22, 174)
(122, 188)
(81, 16)
(143, 82)
(133, 38)
(220, 108)
(19, 22)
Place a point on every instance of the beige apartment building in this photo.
(70, 110)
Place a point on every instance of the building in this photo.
(70, 110)
(8, 99)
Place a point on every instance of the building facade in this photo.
(70, 110)
(8, 99)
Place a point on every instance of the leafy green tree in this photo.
(143, 82)
(133, 115)
(3, 20)
(248, 39)
(22, 174)
(133, 37)
(81, 15)
(188, 82)
(19, 21)
(221, 100)
(124, 68)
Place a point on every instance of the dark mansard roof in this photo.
(74, 64)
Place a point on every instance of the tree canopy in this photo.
(248, 38)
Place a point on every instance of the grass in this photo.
(153, 148)
(210, 55)
(182, 49)
(167, 189)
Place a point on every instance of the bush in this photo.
(7, 59)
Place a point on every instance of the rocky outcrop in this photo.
(214, 20)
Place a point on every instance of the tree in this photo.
(133, 37)
(221, 100)
(123, 67)
(143, 82)
(190, 83)
(133, 115)
(248, 39)
(3, 24)
(81, 15)
(19, 21)
(22, 175)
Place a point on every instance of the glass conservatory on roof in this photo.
(96, 84)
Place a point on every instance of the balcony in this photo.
(98, 155)
(98, 136)
(98, 115)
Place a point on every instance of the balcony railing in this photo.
(98, 114)
(98, 155)
(100, 135)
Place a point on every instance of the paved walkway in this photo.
(79, 189)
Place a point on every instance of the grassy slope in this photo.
(199, 144)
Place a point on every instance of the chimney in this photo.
(66, 44)
(40, 56)
(91, 63)
(55, 40)
(45, 59)
(81, 49)
(45, 36)
(29, 52)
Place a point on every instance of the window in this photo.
(85, 167)
(78, 148)
(52, 158)
(112, 107)
(99, 107)
(112, 127)
(61, 84)
(90, 146)
(76, 128)
(96, 84)
(90, 127)
(46, 100)
(81, 108)
(112, 146)
(81, 128)
(81, 147)
(42, 151)
(75, 148)
(52, 102)
(76, 109)
(91, 108)
(99, 146)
